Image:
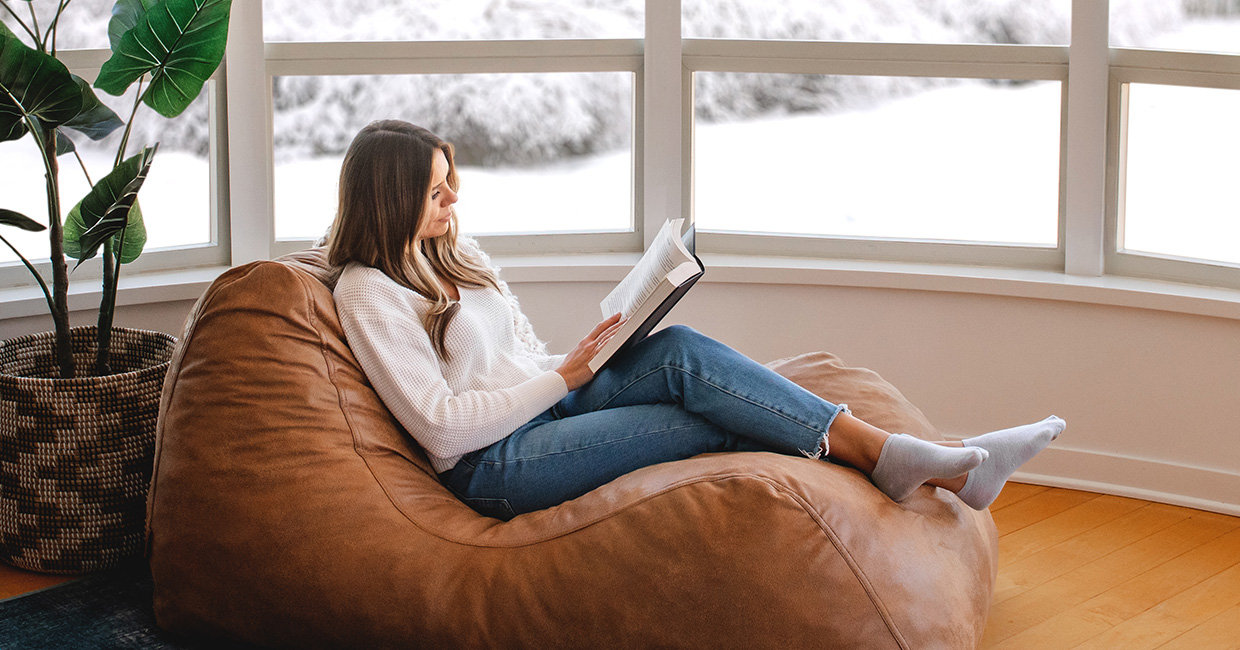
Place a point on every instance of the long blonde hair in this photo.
(384, 184)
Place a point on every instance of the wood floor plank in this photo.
(1176, 615)
(1066, 592)
(1221, 632)
(1038, 507)
(1145, 580)
(1015, 493)
(1026, 573)
(1062, 526)
(15, 581)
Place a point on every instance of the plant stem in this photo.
(51, 30)
(82, 164)
(112, 262)
(60, 268)
(34, 19)
(107, 304)
(137, 101)
(47, 295)
(33, 37)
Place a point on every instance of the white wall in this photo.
(159, 316)
(1152, 398)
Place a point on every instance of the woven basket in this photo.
(76, 454)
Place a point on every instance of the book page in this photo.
(666, 253)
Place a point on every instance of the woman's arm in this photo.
(394, 350)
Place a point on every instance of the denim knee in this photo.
(680, 336)
(678, 342)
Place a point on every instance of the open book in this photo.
(657, 282)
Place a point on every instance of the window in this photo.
(536, 153)
(879, 157)
(180, 200)
(1179, 190)
(1174, 213)
(906, 130)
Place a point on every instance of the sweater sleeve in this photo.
(394, 350)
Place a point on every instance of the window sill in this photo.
(135, 289)
(608, 268)
(1018, 283)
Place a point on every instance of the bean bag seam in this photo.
(853, 565)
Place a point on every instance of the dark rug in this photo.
(110, 609)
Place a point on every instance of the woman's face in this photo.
(439, 200)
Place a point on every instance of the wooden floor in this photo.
(1084, 570)
(1077, 569)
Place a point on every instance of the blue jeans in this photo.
(674, 395)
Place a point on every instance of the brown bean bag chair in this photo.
(288, 508)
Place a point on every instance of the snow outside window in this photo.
(84, 25)
(450, 20)
(536, 153)
(1180, 194)
(1187, 25)
(1041, 22)
(890, 157)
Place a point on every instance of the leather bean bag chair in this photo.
(289, 508)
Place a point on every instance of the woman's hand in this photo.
(575, 369)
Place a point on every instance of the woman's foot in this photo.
(1009, 449)
(905, 463)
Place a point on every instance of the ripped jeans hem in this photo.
(824, 445)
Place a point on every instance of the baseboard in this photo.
(1149, 479)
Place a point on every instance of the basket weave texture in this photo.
(76, 454)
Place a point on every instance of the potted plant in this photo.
(78, 405)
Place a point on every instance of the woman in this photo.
(511, 428)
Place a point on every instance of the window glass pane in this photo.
(450, 20)
(83, 25)
(538, 152)
(912, 21)
(175, 198)
(1181, 170)
(890, 157)
(1192, 25)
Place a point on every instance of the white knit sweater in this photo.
(498, 376)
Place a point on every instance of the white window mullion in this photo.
(663, 160)
(249, 136)
(1088, 69)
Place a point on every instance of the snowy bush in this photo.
(1138, 21)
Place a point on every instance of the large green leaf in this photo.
(131, 249)
(125, 16)
(106, 210)
(180, 42)
(33, 84)
(63, 144)
(95, 120)
(11, 218)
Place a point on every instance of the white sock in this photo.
(1009, 449)
(907, 462)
